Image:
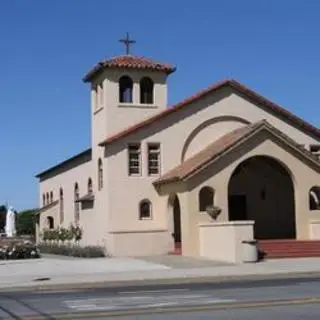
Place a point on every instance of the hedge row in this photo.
(73, 250)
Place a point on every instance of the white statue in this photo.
(10, 227)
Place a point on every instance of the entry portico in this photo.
(254, 173)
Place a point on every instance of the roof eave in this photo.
(166, 181)
(99, 67)
(257, 98)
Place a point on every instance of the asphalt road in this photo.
(279, 299)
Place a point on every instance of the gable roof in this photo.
(84, 154)
(128, 62)
(46, 207)
(219, 147)
(248, 93)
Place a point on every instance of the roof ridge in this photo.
(129, 61)
(223, 145)
(250, 94)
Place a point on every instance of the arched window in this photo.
(43, 200)
(50, 222)
(146, 91)
(100, 175)
(314, 198)
(206, 195)
(145, 209)
(90, 186)
(61, 202)
(51, 196)
(125, 89)
(76, 204)
(47, 198)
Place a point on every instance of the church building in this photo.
(222, 166)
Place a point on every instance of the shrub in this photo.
(21, 250)
(73, 250)
(63, 234)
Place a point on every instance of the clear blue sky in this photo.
(47, 46)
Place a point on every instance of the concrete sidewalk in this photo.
(54, 273)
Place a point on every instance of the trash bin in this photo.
(249, 251)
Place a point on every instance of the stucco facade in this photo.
(113, 219)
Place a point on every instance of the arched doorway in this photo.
(175, 217)
(261, 189)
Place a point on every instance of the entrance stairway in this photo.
(275, 249)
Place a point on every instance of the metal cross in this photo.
(127, 42)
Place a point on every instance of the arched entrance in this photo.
(175, 218)
(261, 189)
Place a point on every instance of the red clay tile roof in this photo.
(46, 207)
(222, 145)
(207, 154)
(248, 93)
(129, 62)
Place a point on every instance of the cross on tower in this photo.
(127, 42)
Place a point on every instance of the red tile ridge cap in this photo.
(227, 82)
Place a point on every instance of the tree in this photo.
(3, 213)
(26, 222)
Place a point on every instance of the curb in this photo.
(159, 282)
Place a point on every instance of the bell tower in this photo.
(125, 90)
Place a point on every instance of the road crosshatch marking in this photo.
(159, 299)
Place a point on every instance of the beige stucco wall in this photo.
(218, 175)
(113, 116)
(51, 212)
(140, 243)
(314, 225)
(186, 132)
(223, 240)
(89, 219)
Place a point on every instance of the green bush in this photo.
(23, 250)
(73, 250)
(63, 234)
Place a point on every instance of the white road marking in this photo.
(154, 291)
(141, 302)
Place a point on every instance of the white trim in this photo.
(137, 105)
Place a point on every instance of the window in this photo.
(43, 200)
(134, 155)
(100, 95)
(314, 198)
(145, 209)
(94, 96)
(146, 91)
(153, 158)
(50, 222)
(206, 195)
(100, 174)
(125, 89)
(61, 202)
(89, 186)
(47, 198)
(51, 197)
(76, 204)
